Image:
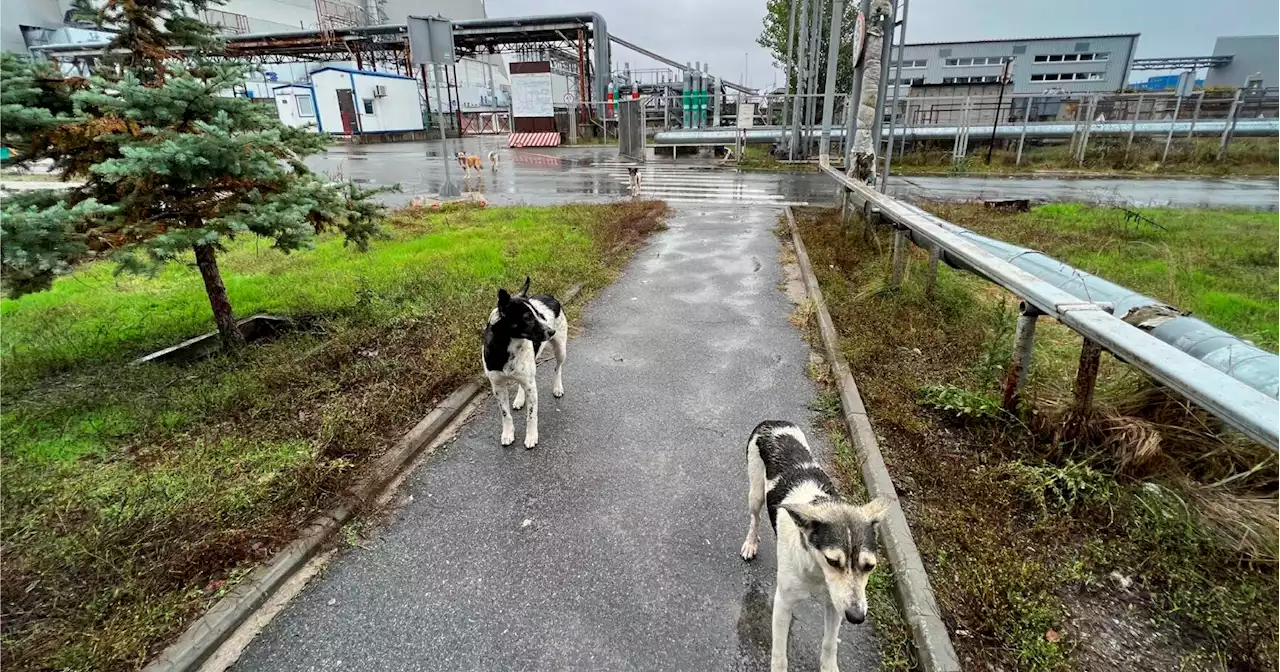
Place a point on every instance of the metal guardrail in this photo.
(1251, 412)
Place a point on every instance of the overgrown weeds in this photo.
(136, 495)
(1024, 533)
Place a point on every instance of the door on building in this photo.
(347, 109)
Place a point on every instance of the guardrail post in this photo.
(1086, 381)
(931, 280)
(1015, 377)
(899, 257)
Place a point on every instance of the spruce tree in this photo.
(169, 161)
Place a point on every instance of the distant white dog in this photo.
(493, 161)
(633, 174)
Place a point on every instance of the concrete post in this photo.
(1133, 126)
(1088, 128)
(1195, 116)
(1015, 377)
(1022, 137)
(1168, 139)
(885, 44)
(899, 258)
(931, 280)
(855, 98)
(1086, 382)
(1231, 127)
(829, 95)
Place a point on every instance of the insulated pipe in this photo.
(1239, 359)
(1244, 127)
(1188, 368)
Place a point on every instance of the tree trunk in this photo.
(207, 260)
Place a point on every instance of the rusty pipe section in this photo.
(1186, 357)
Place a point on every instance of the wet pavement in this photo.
(542, 176)
(613, 545)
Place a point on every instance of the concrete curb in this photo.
(915, 595)
(203, 637)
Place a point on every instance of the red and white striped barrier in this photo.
(544, 139)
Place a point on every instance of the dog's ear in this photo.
(504, 298)
(874, 510)
(804, 515)
(524, 291)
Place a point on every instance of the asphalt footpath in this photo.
(614, 544)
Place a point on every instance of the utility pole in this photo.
(802, 43)
(833, 57)
(790, 68)
(1004, 80)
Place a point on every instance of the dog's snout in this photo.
(855, 615)
(551, 332)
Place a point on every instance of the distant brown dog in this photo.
(470, 162)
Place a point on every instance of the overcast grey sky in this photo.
(721, 32)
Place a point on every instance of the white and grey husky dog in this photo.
(826, 546)
(518, 329)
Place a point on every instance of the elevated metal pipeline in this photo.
(1187, 356)
(1237, 358)
(1244, 128)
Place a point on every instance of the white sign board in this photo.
(746, 115)
(531, 95)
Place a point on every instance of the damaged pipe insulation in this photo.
(1237, 358)
(1237, 403)
(1243, 128)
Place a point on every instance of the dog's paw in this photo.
(518, 406)
(748, 552)
(530, 440)
(508, 437)
(829, 667)
(558, 392)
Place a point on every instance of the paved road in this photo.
(540, 176)
(563, 174)
(635, 496)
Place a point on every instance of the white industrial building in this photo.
(349, 101)
(482, 82)
(296, 105)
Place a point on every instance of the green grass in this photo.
(1020, 530)
(1221, 265)
(134, 496)
(757, 158)
(1246, 157)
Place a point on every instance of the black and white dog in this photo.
(826, 546)
(513, 339)
(633, 176)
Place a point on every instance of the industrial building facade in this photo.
(1253, 62)
(1091, 63)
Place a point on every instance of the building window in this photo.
(1070, 58)
(368, 105)
(304, 105)
(918, 63)
(1068, 76)
(967, 62)
(912, 81)
(1020, 49)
